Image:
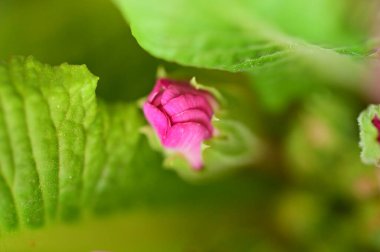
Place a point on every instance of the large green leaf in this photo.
(60, 152)
(247, 35)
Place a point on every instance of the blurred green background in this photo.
(311, 194)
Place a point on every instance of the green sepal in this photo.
(234, 148)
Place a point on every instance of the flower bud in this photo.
(181, 117)
(376, 123)
(369, 122)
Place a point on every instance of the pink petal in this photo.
(186, 138)
(157, 99)
(194, 115)
(153, 94)
(160, 85)
(186, 102)
(157, 119)
(163, 84)
(170, 93)
(176, 89)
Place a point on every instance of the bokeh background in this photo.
(311, 193)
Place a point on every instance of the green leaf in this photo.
(368, 136)
(60, 153)
(248, 35)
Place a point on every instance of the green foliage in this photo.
(314, 143)
(246, 35)
(291, 48)
(65, 155)
(60, 152)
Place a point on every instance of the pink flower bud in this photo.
(181, 116)
(376, 123)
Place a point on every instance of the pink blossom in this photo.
(181, 116)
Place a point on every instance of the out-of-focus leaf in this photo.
(248, 35)
(320, 142)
